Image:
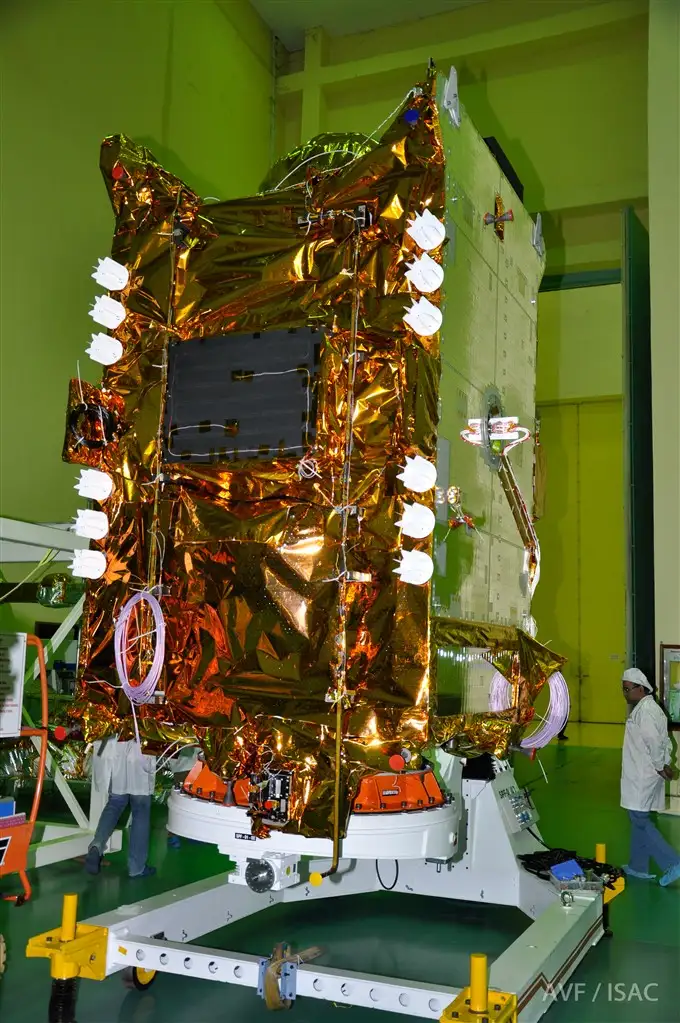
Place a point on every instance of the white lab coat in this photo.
(184, 761)
(120, 767)
(646, 750)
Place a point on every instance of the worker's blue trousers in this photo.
(647, 842)
(138, 848)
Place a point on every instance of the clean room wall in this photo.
(562, 85)
(188, 80)
(580, 602)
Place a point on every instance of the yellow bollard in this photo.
(479, 983)
(600, 853)
(69, 917)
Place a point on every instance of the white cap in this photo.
(415, 567)
(111, 275)
(418, 474)
(108, 312)
(426, 230)
(424, 274)
(88, 564)
(424, 318)
(636, 676)
(92, 524)
(94, 484)
(104, 349)
(417, 521)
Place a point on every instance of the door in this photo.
(580, 603)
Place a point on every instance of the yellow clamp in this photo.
(74, 950)
(477, 1004)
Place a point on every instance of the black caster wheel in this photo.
(19, 901)
(138, 978)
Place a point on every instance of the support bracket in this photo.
(451, 102)
(285, 980)
(537, 236)
(502, 1008)
(81, 956)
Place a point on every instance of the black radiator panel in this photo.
(238, 397)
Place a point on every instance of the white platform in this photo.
(422, 834)
(541, 959)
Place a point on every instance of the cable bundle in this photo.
(557, 715)
(144, 691)
(540, 864)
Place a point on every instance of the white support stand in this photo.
(27, 541)
(30, 541)
(484, 868)
(67, 841)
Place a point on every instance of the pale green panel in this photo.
(477, 684)
(473, 596)
(507, 603)
(502, 524)
(472, 180)
(459, 401)
(464, 587)
(470, 300)
(520, 268)
(461, 557)
(488, 338)
(515, 374)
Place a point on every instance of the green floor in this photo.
(390, 935)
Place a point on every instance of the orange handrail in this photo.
(44, 714)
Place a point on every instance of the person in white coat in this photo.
(180, 766)
(645, 768)
(129, 776)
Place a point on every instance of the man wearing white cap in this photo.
(645, 769)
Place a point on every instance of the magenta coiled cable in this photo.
(143, 692)
(500, 698)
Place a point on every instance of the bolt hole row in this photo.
(164, 959)
(345, 989)
(375, 995)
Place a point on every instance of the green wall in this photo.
(580, 353)
(664, 175)
(562, 85)
(193, 81)
(580, 602)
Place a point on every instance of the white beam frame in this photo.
(59, 841)
(30, 541)
(156, 935)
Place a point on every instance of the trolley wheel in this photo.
(138, 978)
(19, 901)
(3, 955)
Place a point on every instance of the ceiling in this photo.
(288, 19)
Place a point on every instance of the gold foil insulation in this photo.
(526, 664)
(276, 577)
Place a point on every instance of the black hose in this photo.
(63, 1001)
(396, 877)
